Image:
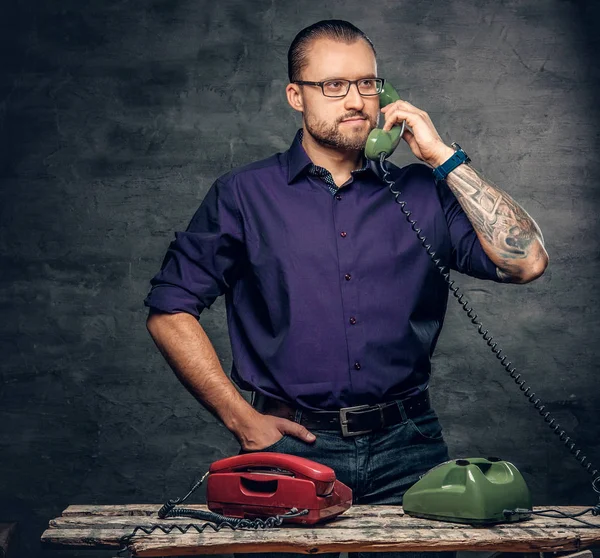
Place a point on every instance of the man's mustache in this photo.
(353, 115)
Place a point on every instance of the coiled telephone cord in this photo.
(512, 371)
(213, 520)
(558, 514)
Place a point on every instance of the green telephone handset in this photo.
(379, 141)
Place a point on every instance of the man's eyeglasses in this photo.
(340, 87)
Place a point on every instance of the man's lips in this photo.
(354, 120)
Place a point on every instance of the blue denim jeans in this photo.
(379, 467)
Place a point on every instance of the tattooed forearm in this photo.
(510, 237)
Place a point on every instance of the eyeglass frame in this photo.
(350, 83)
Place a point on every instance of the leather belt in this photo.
(350, 421)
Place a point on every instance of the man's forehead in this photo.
(337, 58)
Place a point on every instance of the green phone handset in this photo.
(379, 141)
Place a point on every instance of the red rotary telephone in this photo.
(263, 484)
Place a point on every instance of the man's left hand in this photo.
(422, 138)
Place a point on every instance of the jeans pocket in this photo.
(427, 426)
(276, 446)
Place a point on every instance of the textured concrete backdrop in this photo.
(117, 115)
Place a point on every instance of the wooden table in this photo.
(361, 528)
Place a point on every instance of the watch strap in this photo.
(459, 157)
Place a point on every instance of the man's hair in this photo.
(333, 29)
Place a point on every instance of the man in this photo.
(331, 300)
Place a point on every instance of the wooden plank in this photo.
(368, 540)
(378, 511)
(345, 521)
(122, 510)
(361, 528)
(310, 541)
(149, 509)
(83, 538)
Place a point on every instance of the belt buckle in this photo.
(344, 420)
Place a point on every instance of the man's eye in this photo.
(367, 83)
(334, 85)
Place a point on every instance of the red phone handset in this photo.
(264, 484)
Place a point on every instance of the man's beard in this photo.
(329, 135)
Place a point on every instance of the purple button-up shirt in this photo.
(331, 299)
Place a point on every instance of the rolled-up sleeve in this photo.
(203, 262)
(468, 256)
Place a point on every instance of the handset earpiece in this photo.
(379, 141)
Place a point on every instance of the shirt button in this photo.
(352, 320)
(342, 234)
(338, 197)
(347, 277)
(357, 365)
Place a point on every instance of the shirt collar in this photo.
(299, 161)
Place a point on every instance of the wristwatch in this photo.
(458, 158)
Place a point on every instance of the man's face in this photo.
(342, 123)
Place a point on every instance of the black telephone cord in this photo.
(558, 514)
(213, 520)
(445, 273)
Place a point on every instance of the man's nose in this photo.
(354, 99)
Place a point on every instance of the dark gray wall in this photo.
(115, 117)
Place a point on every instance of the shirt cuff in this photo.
(172, 299)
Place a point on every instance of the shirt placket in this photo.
(343, 202)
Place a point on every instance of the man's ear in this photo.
(294, 97)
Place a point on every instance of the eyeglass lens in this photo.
(340, 87)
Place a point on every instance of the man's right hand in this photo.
(261, 431)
